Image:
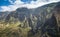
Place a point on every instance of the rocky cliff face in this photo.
(26, 22)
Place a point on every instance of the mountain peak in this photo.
(21, 9)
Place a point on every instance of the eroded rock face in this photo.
(57, 14)
(52, 25)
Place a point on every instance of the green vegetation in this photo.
(13, 29)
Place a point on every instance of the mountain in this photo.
(26, 22)
(3, 15)
(40, 13)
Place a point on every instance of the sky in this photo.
(12, 5)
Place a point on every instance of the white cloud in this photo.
(18, 4)
(11, 1)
